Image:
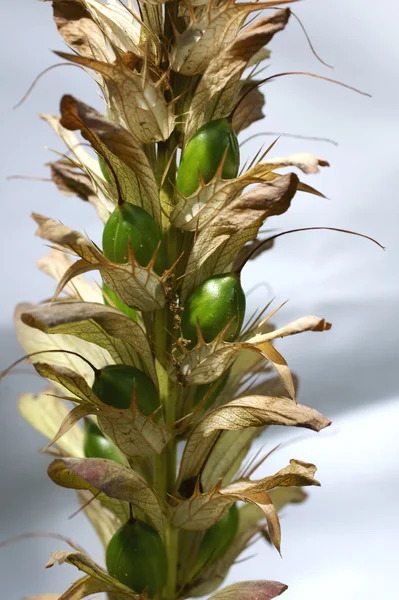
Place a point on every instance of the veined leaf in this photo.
(135, 434)
(251, 590)
(110, 478)
(117, 22)
(249, 110)
(132, 99)
(46, 413)
(138, 287)
(206, 36)
(84, 563)
(242, 413)
(102, 325)
(219, 85)
(120, 148)
(235, 225)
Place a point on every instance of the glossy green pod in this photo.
(130, 312)
(115, 385)
(202, 390)
(218, 301)
(96, 445)
(205, 152)
(104, 168)
(136, 557)
(130, 224)
(217, 539)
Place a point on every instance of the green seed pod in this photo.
(131, 224)
(136, 557)
(218, 301)
(115, 385)
(218, 539)
(96, 445)
(201, 391)
(205, 152)
(130, 312)
(104, 168)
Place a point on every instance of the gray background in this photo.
(342, 542)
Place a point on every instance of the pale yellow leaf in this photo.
(46, 414)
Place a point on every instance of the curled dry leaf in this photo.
(133, 100)
(110, 478)
(235, 225)
(252, 411)
(135, 434)
(207, 362)
(101, 325)
(84, 563)
(249, 110)
(33, 340)
(129, 163)
(194, 212)
(46, 413)
(70, 181)
(218, 88)
(206, 36)
(43, 597)
(56, 263)
(251, 590)
(138, 287)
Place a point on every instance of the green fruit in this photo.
(213, 304)
(205, 152)
(104, 169)
(130, 224)
(201, 391)
(130, 312)
(115, 385)
(136, 557)
(96, 445)
(218, 539)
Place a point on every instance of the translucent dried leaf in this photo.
(251, 590)
(206, 36)
(249, 110)
(86, 586)
(138, 287)
(117, 22)
(135, 434)
(110, 478)
(120, 148)
(43, 597)
(104, 521)
(202, 511)
(33, 340)
(194, 212)
(235, 225)
(84, 563)
(133, 100)
(46, 413)
(252, 411)
(102, 325)
(217, 90)
(56, 263)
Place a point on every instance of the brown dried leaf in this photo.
(86, 586)
(194, 212)
(110, 478)
(43, 597)
(251, 590)
(33, 340)
(102, 325)
(85, 564)
(216, 92)
(138, 287)
(135, 434)
(202, 511)
(234, 226)
(206, 36)
(252, 411)
(125, 154)
(133, 100)
(249, 110)
(71, 181)
(46, 413)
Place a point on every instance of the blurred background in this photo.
(342, 542)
